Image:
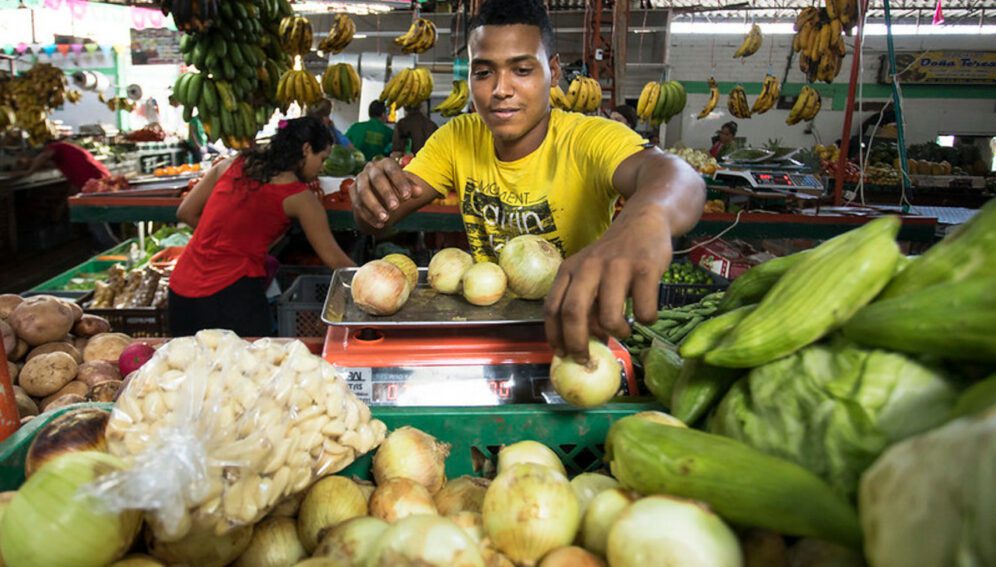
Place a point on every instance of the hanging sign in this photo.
(943, 68)
(155, 46)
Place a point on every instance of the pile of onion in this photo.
(463, 494)
(587, 385)
(274, 544)
(529, 452)
(398, 498)
(531, 263)
(425, 541)
(379, 288)
(329, 502)
(572, 556)
(484, 284)
(351, 542)
(410, 453)
(589, 485)
(446, 270)
(80, 429)
(201, 546)
(603, 511)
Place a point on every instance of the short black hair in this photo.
(511, 12)
(731, 126)
(629, 113)
(376, 109)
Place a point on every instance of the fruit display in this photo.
(295, 35)
(456, 101)
(881, 175)
(343, 29)
(806, 107)
(924, 167)
(192, 15)
(819, 38)
(659, 102)
(419, 38)
(584, 94)
(27, 99)
(298, 86)
(770, 91)
(409, 87)
(713, 99)
(700, 160)
(736, 103)
(110, 184)
(150, 133)
(343, 161)
(751, 43)
(341, 82)
(558, 99)
(57, 355)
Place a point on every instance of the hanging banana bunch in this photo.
(770, 91)
(806, 106)
(296, 35)
(419, 38)
(341, 82)
(819, 40)
(298, 85)
(455, 101)
(737, 103)
(410, 87)
(558, 99)
(584, 95)
(659, 102)
(342, 32)
(751, 42)
(713, 99)
(191, 15)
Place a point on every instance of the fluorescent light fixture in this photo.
(780, 28)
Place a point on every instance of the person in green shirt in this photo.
(372, 137)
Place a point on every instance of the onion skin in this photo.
(472, 523)
(529, 452)
(530, 510)
(274, 544)
(587, 385)
(464, 494)
(446, 270)
(589, 485)
(425, 541)
(571, 557)
(399, 498)
(603, 511)
(351, 542)
(201, 547)
(46, 524)
(76, 430)
(484, 284)
(410, 453)
(531, 263)
(379, 288)
(407, 266)
(330, 501)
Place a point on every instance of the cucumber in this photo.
(661, 368)
(741, 484)
(710, 333)
(751, 286)
(699, 387)
(980, 396)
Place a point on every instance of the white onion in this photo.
(660, 530)
(410, 453)
(201, 547)
(660, 417)
(589, 485)
(366, 487)
(351, 542)
(530, 510)
(407, 266)
(379, 288)
(425, 541)
(602, 513)
(531, 263)
(136, 560)
(464, 494)
(470, 522)
(571, 557)
(529, 452)
(399, 498)
(587, 385)
(446, 269)
(274, 544)
(484, 284)
(329, 501)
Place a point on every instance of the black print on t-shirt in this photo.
(491, 216)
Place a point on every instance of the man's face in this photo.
(510, 77)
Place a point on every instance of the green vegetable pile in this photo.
(672, 324)
(685, 273)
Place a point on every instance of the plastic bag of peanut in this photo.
(216, 431)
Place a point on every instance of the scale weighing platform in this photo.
(793, 183)
(441, 351)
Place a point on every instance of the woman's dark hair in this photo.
(629, 113)
(284, 151)
(731, 126)
(510, 12)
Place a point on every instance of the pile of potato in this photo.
(57, 355)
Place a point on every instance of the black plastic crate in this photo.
(676, 295)
(299, 309)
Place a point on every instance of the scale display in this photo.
(772, 180)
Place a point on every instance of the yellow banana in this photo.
(641, 104)
(596, 98)
(558, 99)
(713, 99)
(573, 91)
(751, 42)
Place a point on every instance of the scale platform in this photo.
(805, 185)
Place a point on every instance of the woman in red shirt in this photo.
(239, 209)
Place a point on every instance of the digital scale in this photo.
(441, 351)
(789, 182)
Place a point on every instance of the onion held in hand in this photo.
(531, 263)
(587, 385)
(484, 284)
(446, 269)
(379, 288)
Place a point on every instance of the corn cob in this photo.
(814, 297)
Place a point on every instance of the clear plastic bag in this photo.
(217, 431)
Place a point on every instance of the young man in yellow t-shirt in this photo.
(521, 168)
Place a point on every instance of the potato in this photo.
(76, 309)
(46, 374)
(90, 325)
(25, 405)
(97, 371)
(8, 301)
(106, 346)
(9, 336)
(42, 319)
(67, 400)
(106, 391)
(57, 346)
(74, 387)
(13, 370)
(19, 351)
(80, 343)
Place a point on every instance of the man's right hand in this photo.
(381, 190)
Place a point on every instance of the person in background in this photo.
(372, 137)
(240, 207)
(322, 111)
(626, 114)
(415, 127)
(724, 142)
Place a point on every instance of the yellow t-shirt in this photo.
(562, 191)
